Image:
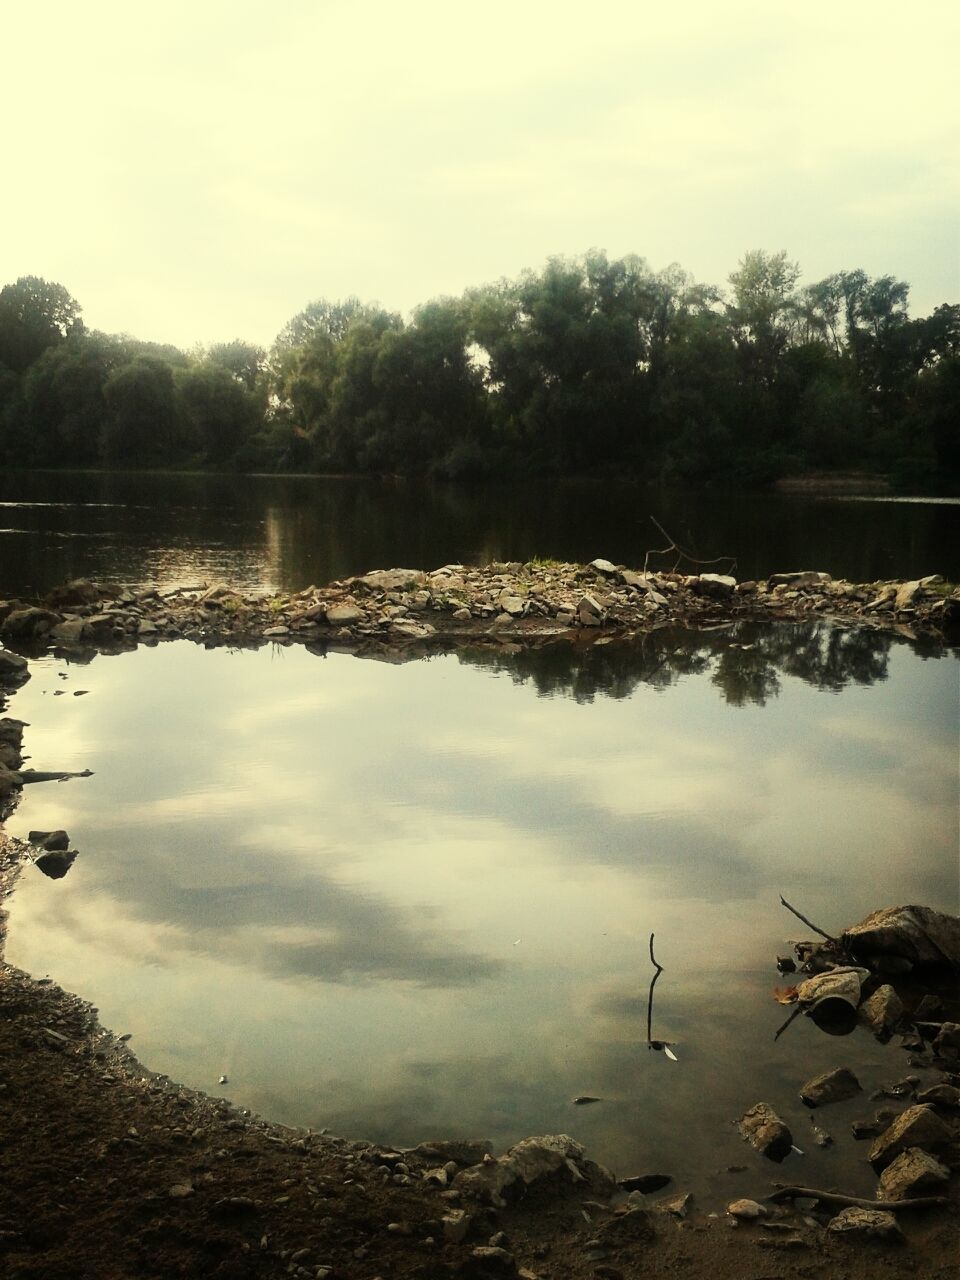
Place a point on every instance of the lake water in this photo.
(405, 901)
(269, 532)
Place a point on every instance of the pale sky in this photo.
(194, 172)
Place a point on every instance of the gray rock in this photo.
(918, 1126)
(835, 991)
(832, 1086)
(462, 1151)
(412, 630)
(677, 1205)
(462, 615)
(915, 933)
(392, 579)
(277, 631)
(866, 1224)
(882, 1011)
(56, 863)
(940, 1095)
(528, 1162)
(766, 1132)
(11, 664)
(146, 628)
(802, 578)
(29, 622)
(344, 615)
(70, 631)
(456, 1225)
(99, 626)
(718, 586)
(914, 1172)
(499, 1261)
(932, 580)
(511, 604)
(590, 604)
(49, 840)
(946, 1043)
(604, 567)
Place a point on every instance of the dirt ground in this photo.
(107, 1173)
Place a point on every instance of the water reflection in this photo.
(403, 901)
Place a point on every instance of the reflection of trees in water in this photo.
(746, 660)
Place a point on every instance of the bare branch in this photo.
(856, 1202)
(682, 553)
(809, 923)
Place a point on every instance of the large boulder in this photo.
(718, 586)
(384, 580)
(27, 623)
(918, 934)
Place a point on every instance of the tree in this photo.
(34, 315)
(142, 427)
(219, 411)
(63, 402)
(244, 360)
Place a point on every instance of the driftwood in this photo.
(808, 923)
(856, 1202)
(653, 983)
(682, 554)
(37, 775)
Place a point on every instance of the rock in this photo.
(180, 1191)
(604, 567)
(276, 631)
(918, 1126)
(462, 615)
(940, 1095)
(50, 840)
(526, 1163)
(907, 595)
(766, 1132)
(645, 1182)
(79, 591)
(677, 1205)
(511, 604)
(915, 933)
(802, 578)
(392, 579)
(147, 628)
(462, 1151)
(882, 1011)
(27, 623)
(412, 630)
(718, 586)
(946, 1043)
(99, 626)
(12, 664)
(747, 1210)
(70, 631)
(488, 1260)
(56, 863)
(634, 1225)
(832, 1086)
(913, 1173)
(344, 615)
(590, 604)
(866, 1224)
(456, 1225)
(932, 580)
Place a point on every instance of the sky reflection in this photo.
(410, 900)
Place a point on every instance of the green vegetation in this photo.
(588, 366)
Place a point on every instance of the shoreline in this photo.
(111, 1169)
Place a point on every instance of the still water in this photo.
(283, 533)
(404, 901)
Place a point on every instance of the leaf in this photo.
(670, 1054)
(785, 995)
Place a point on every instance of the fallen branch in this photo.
(855, 1202)
(682, 553)
(35, 775)
(653, 983)
(809, 923)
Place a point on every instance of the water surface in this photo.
(404, 901)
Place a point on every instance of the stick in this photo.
(808, 923)
(855, 1202)
(682, 553)
(653, 983)
(795, 1014)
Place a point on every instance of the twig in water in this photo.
(653, 983)
(808, 923)
(855, 1202)
(794, 1014)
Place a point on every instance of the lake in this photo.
(284, 533)
(409, 900)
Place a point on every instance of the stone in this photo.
(940, 1095)
(462, 1151)
(832, 1086)
(528, 1162)
(412, 630)
(634, 1225)
(604, 567)
(918, 1126)
(79, 591)
(913, 1173)
(946, 1043)
(645, 1182)
(498, 1261)
(276, 631)
(27, 623)
(676, 1205)
(590, 604)
(511, 604)
(802, 578)
(907, 595)
(766, 1132)
(147, 628)
(180, 1191)
(462, 615)
(915, 933)
(718, 586)
(70, 631)
(882, 1011)
(12, 664)
(392, 579)
(834, 993)
(866, 1224)
(344, 615)
(50, 840)
(747, 1210)
(56, 863)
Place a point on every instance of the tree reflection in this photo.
(746, 660)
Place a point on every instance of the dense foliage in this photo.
(589, 366)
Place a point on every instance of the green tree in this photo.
(34, 314)
(217, 410)
(142, 426)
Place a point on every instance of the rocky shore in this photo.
(397, 608)
(110, 1171)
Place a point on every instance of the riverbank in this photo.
(109, 1170)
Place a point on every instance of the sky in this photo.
(195, 172)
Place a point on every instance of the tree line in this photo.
(589, 366)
